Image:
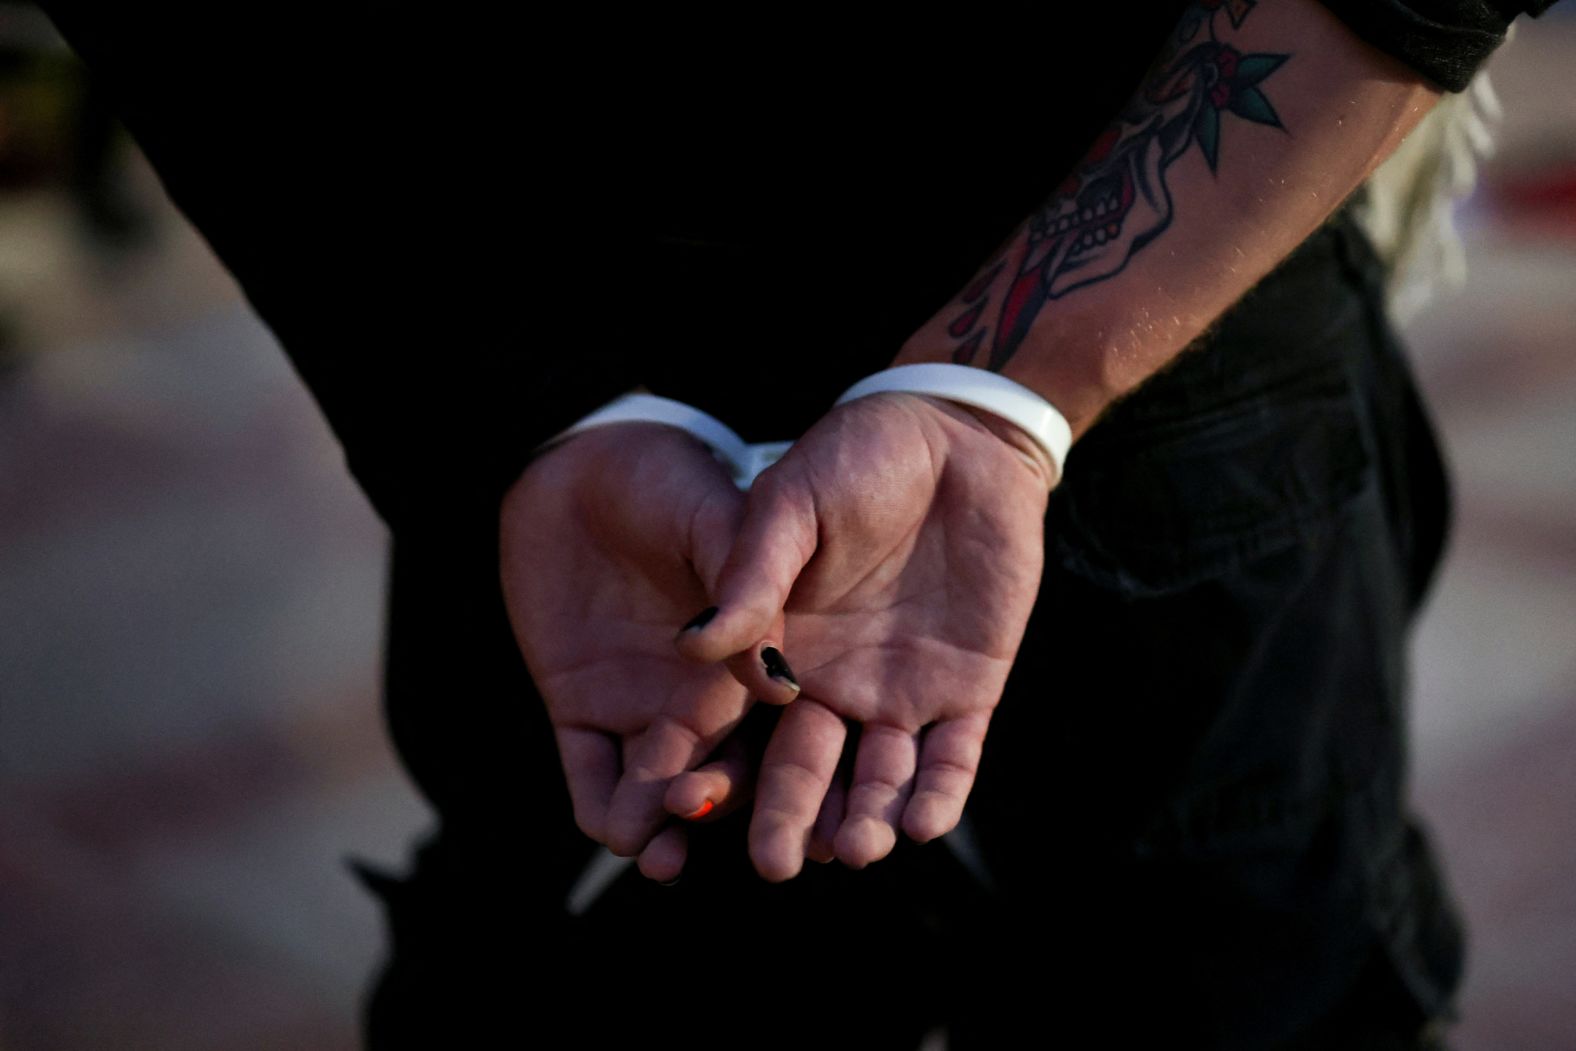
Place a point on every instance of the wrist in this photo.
(1081, 384)
(1029, 450)
(743, 460)
(1027, 422)
(558, 464)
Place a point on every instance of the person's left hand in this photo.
(608, 541)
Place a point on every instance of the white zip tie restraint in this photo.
(985, 390)
(743, 460)
(990, 391)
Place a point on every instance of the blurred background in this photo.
(191, 607)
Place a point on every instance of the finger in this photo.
(590, 761)
(775, 540)
(795, 775)
(764, 671)
(678, 740)
(823, 834)
(713, 530)
(728, 781)
(883, 781)
(949, 758)
(663, 858)
(716, 789)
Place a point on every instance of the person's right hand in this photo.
(608, 541)
(904, 537)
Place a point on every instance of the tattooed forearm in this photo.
(1117, 202)
(1188, 200)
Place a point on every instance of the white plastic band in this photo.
(994, 393)
(744, 461)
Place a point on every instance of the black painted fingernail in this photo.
(701, 619)
(668, 882)
(778, 668)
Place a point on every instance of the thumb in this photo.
(775, 540)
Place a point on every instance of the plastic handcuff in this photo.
(743, 460)
(994, 393)
(963, 384)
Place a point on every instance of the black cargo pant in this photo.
(1190, 823)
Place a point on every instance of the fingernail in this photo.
(701, 619)
(778, 668)
(669, 882)
(700, 811)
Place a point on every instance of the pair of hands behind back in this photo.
(893, 554)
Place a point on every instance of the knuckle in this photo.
(872, 797)
(795, 777)
(947, 769)
(672, 726)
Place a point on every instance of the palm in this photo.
(907, 538)
(911, 611)
(607, 543)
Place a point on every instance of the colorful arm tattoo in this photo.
(1117, 201)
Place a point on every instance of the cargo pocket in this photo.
(1154, 502)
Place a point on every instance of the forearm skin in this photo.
(1250, 129)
